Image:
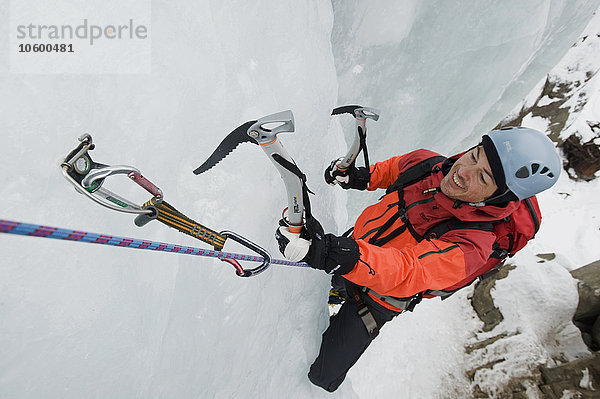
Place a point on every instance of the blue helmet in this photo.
(524, 161)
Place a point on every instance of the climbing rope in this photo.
(35, 230)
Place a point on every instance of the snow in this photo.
(586, 381)
(571, 221)
(536, 122)
(537, 302)
(92, 321)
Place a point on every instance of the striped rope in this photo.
(34, 230)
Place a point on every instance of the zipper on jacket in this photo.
(390, 206)
(441, 251)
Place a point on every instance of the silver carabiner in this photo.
(87, 177)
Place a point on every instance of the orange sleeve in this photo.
(430, 264)
(385, 173)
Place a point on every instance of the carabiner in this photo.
(239, 270)
(88, 176)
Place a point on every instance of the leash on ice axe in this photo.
(88, 178)
(337, 172)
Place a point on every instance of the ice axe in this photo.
(361, 114)
(264, 132)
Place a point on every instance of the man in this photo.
(395, 254)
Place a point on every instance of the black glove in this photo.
(334, 255)
(352, 177)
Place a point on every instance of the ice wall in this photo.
(86, 321)
(444, 73)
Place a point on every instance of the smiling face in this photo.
(470, 179)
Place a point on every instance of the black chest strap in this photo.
(455, 224)
(410, 176)
(415, 173)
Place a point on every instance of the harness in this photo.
(411, 176)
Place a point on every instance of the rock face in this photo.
(579, 378)
(550, 105)
(483, 303)
(583, 159)
(588, 311)
(576, 379)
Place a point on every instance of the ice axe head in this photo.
(358, 111)
(367, 113)
(266, 129)
(361, 114)
(263, 132)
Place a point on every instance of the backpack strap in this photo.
(415, 173)
(456, 224)
(501, 253)
(534, 216)
(410, 176)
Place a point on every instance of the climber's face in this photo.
(470, 179)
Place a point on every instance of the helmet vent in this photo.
(522, 173)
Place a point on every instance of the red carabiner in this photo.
(238, 268)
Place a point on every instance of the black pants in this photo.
(344, 342)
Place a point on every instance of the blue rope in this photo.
(34, 230)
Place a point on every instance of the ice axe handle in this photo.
(361, 114)
(265, 132)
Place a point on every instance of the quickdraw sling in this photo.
(168, 215)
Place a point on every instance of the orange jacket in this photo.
(403, 266)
